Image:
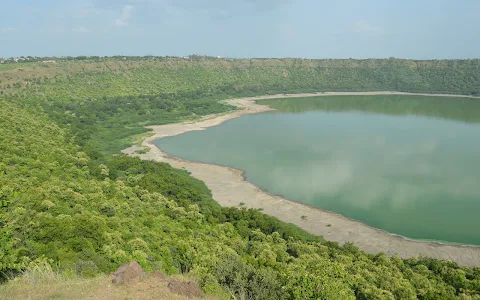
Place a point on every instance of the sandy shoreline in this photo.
(229, 188)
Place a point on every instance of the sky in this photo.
(417, 29)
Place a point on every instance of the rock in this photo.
(158, 275)
(127, 273)
(189, 289)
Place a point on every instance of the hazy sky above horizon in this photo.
(418, 29)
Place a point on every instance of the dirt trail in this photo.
(229, 188)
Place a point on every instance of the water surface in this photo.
(408, 165)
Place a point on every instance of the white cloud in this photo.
(363, 26)
(125, 16)
(81, 30)
(8, 29)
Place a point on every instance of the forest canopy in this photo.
(93, 78)
(65, 199)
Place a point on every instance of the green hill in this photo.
(66, 201)
(204, 76)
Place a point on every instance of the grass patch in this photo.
(42, 282)
(143, 150)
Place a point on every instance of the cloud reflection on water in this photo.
(368, 170)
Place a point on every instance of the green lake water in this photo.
(409, 165)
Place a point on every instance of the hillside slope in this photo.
(201, 76)
(42, 283)
(90, 218)
(66, 200)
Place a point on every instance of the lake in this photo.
(408, 165)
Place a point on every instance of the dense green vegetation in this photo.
(64, 198)
(108, 124)
(55, 206)
(439, 107)
(113, 77)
